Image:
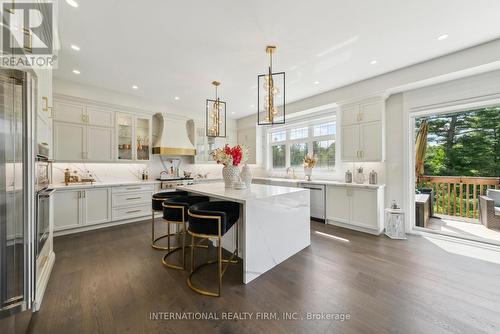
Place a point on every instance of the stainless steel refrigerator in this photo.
(17, 223)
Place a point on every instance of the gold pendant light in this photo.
(216, 115)
(271, 86)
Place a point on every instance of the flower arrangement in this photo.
(228, 155)
(310, 161)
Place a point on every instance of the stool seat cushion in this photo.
(229, 213)
(175, 214)
(158, 198)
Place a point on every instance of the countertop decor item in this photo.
(230, 157)
(216, 115)
(372, 178)
(360, 177)
(309, 163)
(246, 175)
(271, 94)
(348, 177)
(395, 223)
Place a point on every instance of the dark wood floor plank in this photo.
(110, 280)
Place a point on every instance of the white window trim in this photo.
(309, 140)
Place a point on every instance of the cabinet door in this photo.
(67, 209)
(337, 204)
(350, 142)
(69, 112)
(100, 116)
(99, 144)
(364, 208)
(124, 134)
(350, 114)
(97, 206)
(69, 141)
(142, 138)
(371, 111)
(371, 141)
(44, 133)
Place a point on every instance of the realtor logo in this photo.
(27, 34)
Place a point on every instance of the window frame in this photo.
(309, 140)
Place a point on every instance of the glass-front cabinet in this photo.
(134, 135)
(142, 132)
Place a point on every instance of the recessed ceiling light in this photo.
(252, 106)
(75, 47)
(177, 98)
(233, 112)
(135, 87)
(76, 71)
(442, 37)
(316, 82)
(373, 62)
(72, 3)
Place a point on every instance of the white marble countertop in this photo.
(324, 182)
(256, 191)
(112, 183)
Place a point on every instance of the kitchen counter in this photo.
(324, 182)
(117, 183)
(274, 223)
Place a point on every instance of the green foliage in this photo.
(464, 144)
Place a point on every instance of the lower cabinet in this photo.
(96, 204)
(355, 207)
(67, 209)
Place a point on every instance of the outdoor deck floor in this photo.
(469, 228)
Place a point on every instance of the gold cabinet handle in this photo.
(46, 105)
(133, 211)
(132, 198)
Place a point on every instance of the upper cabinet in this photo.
(89, 131)
(134, 137)
(362, 129)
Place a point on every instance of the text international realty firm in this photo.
(248, 316)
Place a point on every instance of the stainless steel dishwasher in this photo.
(318, 199)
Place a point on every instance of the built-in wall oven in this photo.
(43, 202)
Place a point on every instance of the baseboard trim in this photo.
(355, 227)
(43, 281)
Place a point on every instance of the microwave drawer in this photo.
(133, 188)
(132, 211)
(128, 199)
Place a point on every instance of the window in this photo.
(278, 156)
(289, 145)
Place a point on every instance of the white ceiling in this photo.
(177, 48)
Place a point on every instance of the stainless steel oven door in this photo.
(43, 209)
(42, 179)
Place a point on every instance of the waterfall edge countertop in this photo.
(274, 223)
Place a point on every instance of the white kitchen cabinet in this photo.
(67, 209)
(338, 204)
(362, 129)
(100, 116)
(69, 141)
(96, 205)
(70, 112)
(133, 137)
(99, 145)
(355, 207)
(350, 142)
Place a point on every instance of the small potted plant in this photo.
(309, 163)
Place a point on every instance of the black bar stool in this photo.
(211, 220)
(157, 201)
(175, 211)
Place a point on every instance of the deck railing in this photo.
(458, 195)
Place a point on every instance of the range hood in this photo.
(173, 135)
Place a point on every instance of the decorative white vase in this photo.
(230, 174)
(246, 175)
(308, 173)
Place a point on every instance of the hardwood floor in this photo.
(109, 281)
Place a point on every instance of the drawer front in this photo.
(134, 188)
(132, 198)
(132, 211)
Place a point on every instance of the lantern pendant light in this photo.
(216, 115)
(271, 94)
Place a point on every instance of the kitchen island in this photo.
(274, 223)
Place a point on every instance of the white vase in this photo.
(308, 172)
(246, 175)
(230, 174)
